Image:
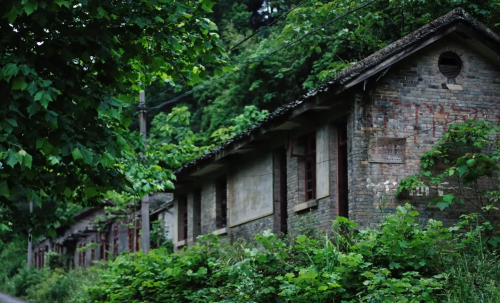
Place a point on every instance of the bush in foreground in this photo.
(401, 261)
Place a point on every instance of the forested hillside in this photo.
(269, 82)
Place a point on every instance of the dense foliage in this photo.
(67, 69)
(284, 76)
(402, 261)
(465, 161)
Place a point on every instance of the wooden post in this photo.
(30, 243)
(144, 200)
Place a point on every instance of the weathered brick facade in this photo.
(413, 102)
(395, 104)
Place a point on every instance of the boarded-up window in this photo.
(323, 162)
(250, 191)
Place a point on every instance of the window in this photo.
(450, 64)
(130, 239)
(103, 249)
(81, 255)
(183, 218)
(221, 203)
(196, 213)
(310, 166)
(115, 240)
(92, 252)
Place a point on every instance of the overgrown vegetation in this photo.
(402, 261)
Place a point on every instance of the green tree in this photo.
(285, 76)
(466, 160)
(67, 66)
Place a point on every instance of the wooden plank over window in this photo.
(323, 162)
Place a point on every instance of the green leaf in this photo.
(91, 191)
(52, 232)
(67, 192)
(462, 170)
(121, 142)
(9, 70)
(30, 7)
(40, 142)
(76, 154)
(4, 189)
(413, 213)
(107, 160)
(33, 108)
(442, 205)
(44, 98)
(159, 19)
(11, 158)
(32, 88)
(301, 238)
(27, 159)
(62, 2)
(86, 154)
(11, 122)
(19, 84)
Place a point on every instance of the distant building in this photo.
(101, 235)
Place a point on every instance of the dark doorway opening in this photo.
(343, 189)
(283, 192)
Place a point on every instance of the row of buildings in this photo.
(98, 233)
(339, 150)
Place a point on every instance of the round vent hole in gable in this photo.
(450, 64)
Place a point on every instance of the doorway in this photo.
(283, 192)
(343, 190)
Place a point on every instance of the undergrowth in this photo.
(400, 261)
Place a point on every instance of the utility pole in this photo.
(30, 243)
(144, 200)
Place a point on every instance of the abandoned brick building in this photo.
(101, 234)
(342, 149)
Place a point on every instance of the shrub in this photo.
(12, 258)
(401, 261)
(59, 286)
(24, 279)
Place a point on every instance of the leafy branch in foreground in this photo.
(67, 69)
(465, 162)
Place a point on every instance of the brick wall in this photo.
(413, 101)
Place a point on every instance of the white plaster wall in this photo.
(250, 191)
